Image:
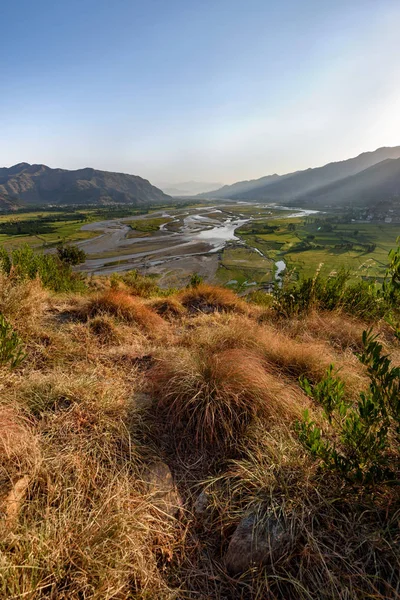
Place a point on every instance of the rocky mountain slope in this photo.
(378, 183)
(294, 186)
(41, 185)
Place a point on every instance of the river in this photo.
(192, 236)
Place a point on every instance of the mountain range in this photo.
(188, 188)
(368, 178)
(365, 181)
(25, 184)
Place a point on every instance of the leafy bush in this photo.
(195, 280)
(329, 293)
(365, 435)
(72, 255)
(10, 345)
(55, 274)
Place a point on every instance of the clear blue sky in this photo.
(212, 90)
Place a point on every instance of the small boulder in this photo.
(163, 490)
(201, 505)
(256, 541)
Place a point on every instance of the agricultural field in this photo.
(311, 244)
(148, 225)
(239, 265)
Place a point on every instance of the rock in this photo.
(201, 505)
(163, 490)
(257, 541)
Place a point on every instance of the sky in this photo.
(204, 90)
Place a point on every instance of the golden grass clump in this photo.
(23, 302)
(19, 452)
(209, 399)
(169, 307)
(104, 329)
(208, 298)
(126, 307)
(340, 330)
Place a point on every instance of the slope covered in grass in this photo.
(207, 386)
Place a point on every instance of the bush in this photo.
(330, 293)
(71, 255)
(24, 263)
(365, 436)
(195, 280)
(10, 345)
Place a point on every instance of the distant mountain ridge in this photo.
(42, 185)
(188, 188)
(376, 184)
(301, 186)
(235, 189)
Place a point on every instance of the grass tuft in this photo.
(207, 299)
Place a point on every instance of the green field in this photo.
(240, 264)
(308, 245)
(148, 225)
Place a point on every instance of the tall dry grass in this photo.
(98, 399)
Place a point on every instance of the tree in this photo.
(71, 255)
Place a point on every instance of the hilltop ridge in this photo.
(38, 184)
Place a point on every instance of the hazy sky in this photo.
(217, 90)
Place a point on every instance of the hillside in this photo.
(290, 187)
(8, 202)
(188, 188)
(370, 187)
(235, 189)
(40, 185)
(153, 444)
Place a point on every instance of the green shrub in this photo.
(329, 293)
(10, 345)
(195, 280)
(362, 439)
(56, 275)
(72, 255)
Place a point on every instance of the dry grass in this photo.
(19, 449)
(126, 307)
(22, 302)
(209, 399)
(78, 430)
(207, 299)
(169, 307)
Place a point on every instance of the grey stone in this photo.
(163, 490)
(201, 505)
(256, 541)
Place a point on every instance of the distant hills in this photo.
(8, 202)
(378, 183)
(40, 185)
(188, 188)
(333, 184)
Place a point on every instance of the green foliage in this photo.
(71, 255)
(56, 275)
(10, 345)
(362, 439)
(329, 293)
(140, 285)
(195, 280)
(391, 285)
